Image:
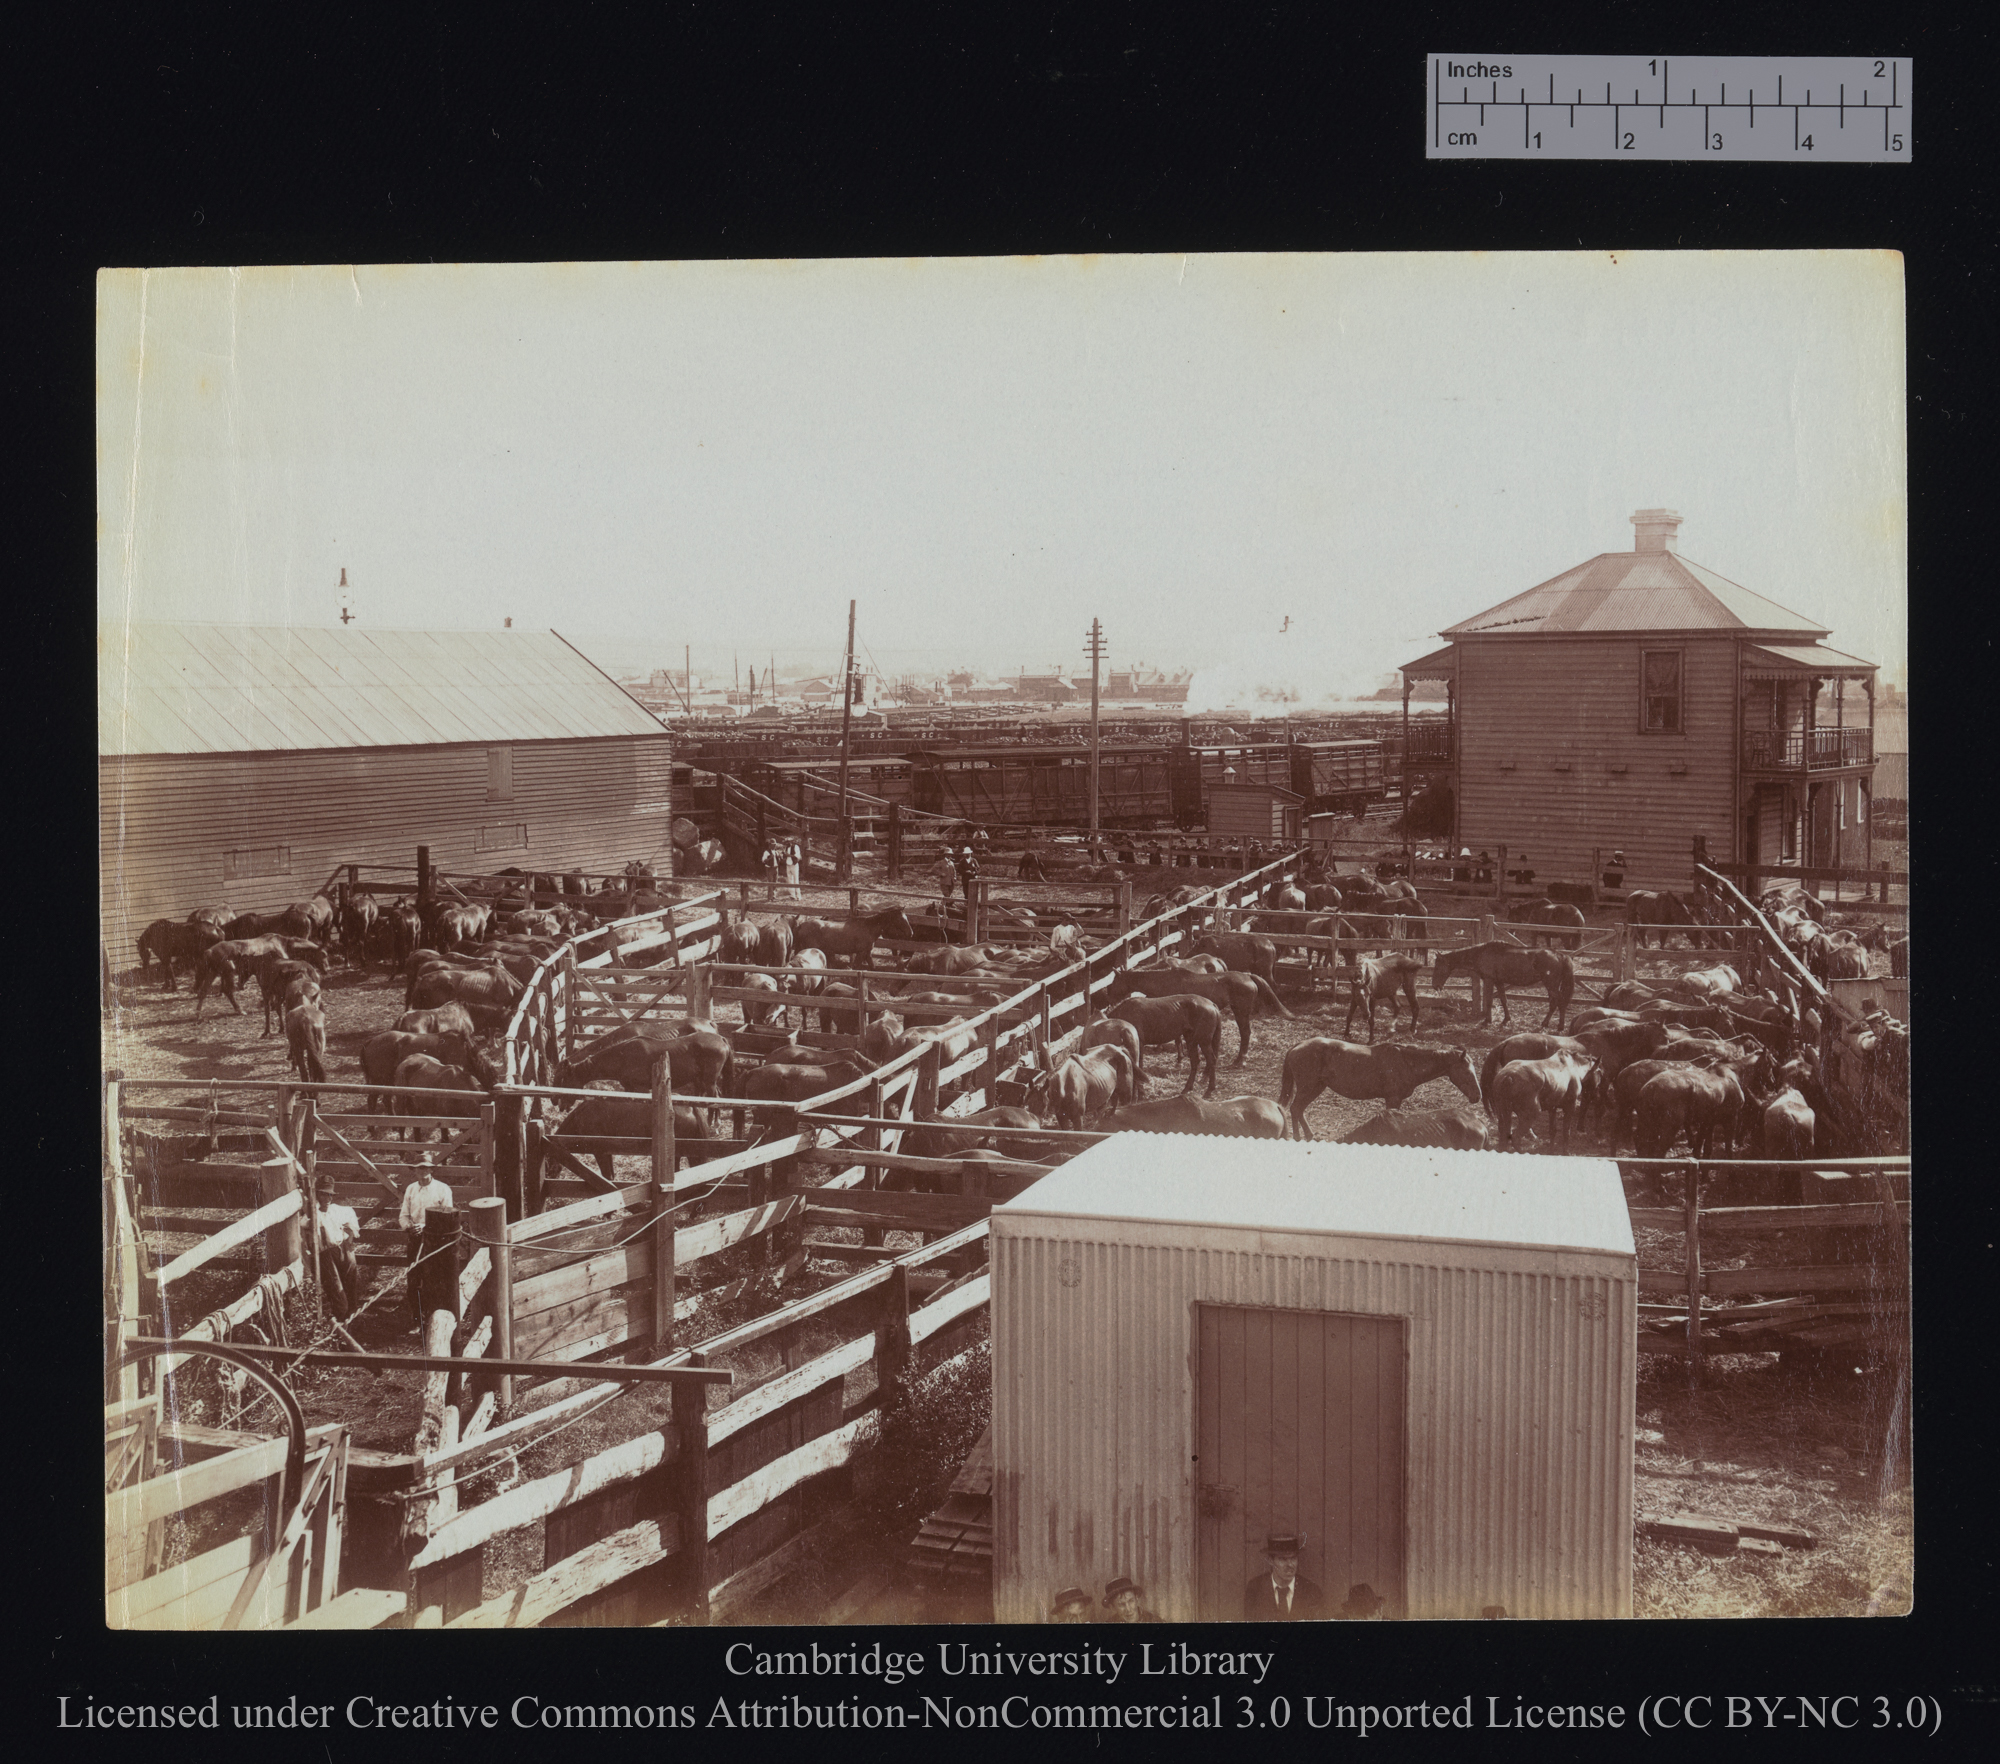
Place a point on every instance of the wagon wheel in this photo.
(219, 1390)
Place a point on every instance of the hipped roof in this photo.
(167, 688)
(1636, 591)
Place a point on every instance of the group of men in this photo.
(780, 861)
(340, 1237)
(1279, 1595)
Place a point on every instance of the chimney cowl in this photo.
(1654, 530)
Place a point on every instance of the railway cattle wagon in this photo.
(1339, 777)
(239, 765)
(1044, 786)
(1423, 1362)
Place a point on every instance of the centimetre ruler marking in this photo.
(1812, 109)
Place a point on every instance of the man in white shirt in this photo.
(419, 1198)
(340, 1268)
(792, 860)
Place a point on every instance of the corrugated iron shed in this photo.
(181, 689)
(1635, 591)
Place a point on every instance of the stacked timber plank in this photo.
(953, 1549)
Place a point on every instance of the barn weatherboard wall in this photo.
(1424, 1360)
(238, 765)
(1641, 701)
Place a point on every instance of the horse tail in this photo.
(1265, 992)
(1288, 1083)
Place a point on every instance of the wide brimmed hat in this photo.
(1121, 1585)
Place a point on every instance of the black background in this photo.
(260, 134)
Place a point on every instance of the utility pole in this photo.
(846, 716)
(1094, 648)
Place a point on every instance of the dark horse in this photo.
(1665, 912)
(1501, 965)
(855, 939)
(1568, 922)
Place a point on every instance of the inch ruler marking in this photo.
(1834, 104)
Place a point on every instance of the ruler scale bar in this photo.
(1661, 126)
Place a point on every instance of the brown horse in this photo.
(1567, 922)
(1390, 1071)
(1380, 977)
(1236, 1117)
(1499, 965)
(1662, 913)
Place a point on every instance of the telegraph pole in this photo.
(1094, 648)
(846, 716)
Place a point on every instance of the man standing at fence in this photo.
(792, 871)
(968, 875)
(770, 867)
(946, 876)
(426, 1192)
(339, 1234)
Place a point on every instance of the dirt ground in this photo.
(1821, 1447)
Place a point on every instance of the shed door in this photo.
(1299, 1427)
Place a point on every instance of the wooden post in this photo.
(870, 1139)
(989, 1065)
(569, 1002)
(892, 1340)
(1621, 954)
(423, 878)
(281, 1241)
(895, 842)
(700, 982)
(1500, 876)
(489, 1228)
(1124, 907)
(691, 1423)
(488, 1132)
(1691, 1225)
(661, 1231)
(510, 1144)
(308, 1197)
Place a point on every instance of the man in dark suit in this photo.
(1279, 1595)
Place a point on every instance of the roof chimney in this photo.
(1654, 528)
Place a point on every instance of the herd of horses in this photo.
(1701, 1059)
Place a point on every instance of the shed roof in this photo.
(1386, 1191)
(165, 688)
(1636, 591)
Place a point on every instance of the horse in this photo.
(1463, 1128)
(1192, 1023)
(1071, 1088)
(1500, 965)
(1239, 1117)
(1696, 1100)
(1241, 952)
(1553, 1086)
(853, 939)
(1785, 1126)
(1391, 1071)
(305, 1037)
(1239, 994)
(1664, 912)
(1569, 919)
(1530, 1046)
(168, 941)
(1380, 977)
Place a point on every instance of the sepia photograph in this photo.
(832, 942)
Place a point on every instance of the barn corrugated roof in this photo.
(1636, 591)
(1387, 1191)
(254, 688)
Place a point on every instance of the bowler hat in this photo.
(1284, 1543)
(1121, 1585)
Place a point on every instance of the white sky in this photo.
(987, 452)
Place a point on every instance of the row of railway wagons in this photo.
(1146, 785)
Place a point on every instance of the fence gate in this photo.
(1599, 957)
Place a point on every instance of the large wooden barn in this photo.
(1639, 700)
(239, 765)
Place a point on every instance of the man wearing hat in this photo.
(1364, 1604)
(1279, 1595)
(1121, 1599)
(1071, 1605)
(339, 1231)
